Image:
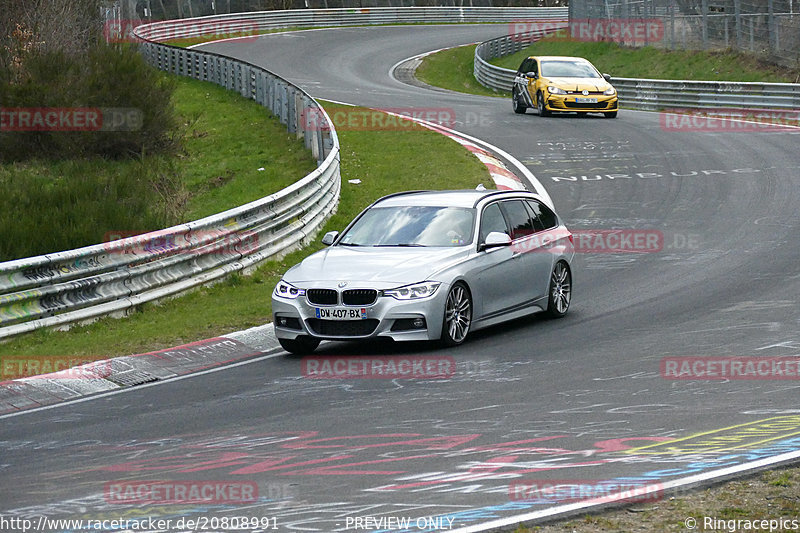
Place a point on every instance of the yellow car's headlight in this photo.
(610, 91)
(555, 90)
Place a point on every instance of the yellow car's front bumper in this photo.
(571, 102)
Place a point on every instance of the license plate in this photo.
(341, 313)
(586, 100)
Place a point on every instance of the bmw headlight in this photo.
(555, 90)
(287, 290)
(413, 292)
(610, 92)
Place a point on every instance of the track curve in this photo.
(533, 399)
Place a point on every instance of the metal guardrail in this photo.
(647, 94)
(78, 285)
(502, 79)
(308, 18)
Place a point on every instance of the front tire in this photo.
(543, 112)
(299, 345)
(610, 114)
(560, 291)
(517, 103)
(457, 315)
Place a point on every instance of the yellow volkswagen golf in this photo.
(560, 83)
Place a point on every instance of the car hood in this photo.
(579, 84)
(383, 266)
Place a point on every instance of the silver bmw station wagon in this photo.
(428, 265)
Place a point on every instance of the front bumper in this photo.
(387, 317)
(561, 102)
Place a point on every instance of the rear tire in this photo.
(299, 345)
(560, 291)
(543, 112)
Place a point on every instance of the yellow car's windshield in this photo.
(568, 69)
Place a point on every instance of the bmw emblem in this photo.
(342, 284)
(585, 92)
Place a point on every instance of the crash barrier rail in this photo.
(647, 94)
(112, 278)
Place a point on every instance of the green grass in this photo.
(452, 69)
(651, 62)
(52, 206)
(226, 139)
(384, 161)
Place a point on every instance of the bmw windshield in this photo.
(412, 226)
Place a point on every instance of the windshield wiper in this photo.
(409, 244)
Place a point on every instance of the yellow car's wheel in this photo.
(543, 112)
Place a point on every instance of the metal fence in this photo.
(650, 94)
(770, 28)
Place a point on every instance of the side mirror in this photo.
(532, 75)
(607, 77)
(329, 237)
(496, 239)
